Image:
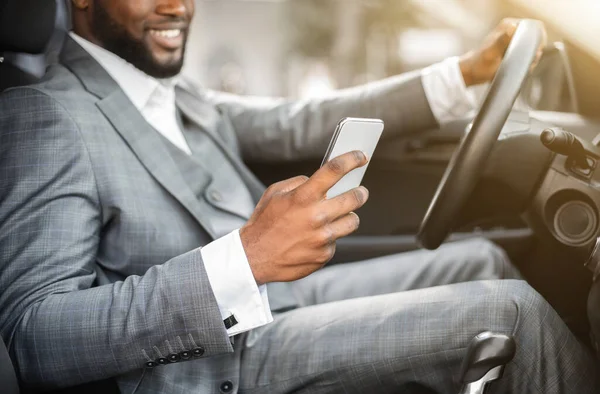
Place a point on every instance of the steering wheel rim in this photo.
(468, 161)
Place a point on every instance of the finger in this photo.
(544, 40)
(504, 34)
(508, 26)
(345, 225)
(504, 39)
(510, 23)
(540, 51)
(280, 187)
(287, 185)
(346, 202)
(328, 175)
(536, 61)
(290, 184)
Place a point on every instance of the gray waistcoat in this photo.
(221, 192)
(213, 179)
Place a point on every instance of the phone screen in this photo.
(353, 134)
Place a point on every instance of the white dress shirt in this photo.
(224, 259)
(447, 94)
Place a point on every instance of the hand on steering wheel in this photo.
(480, 65)
(469, 159)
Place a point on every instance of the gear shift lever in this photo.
(568, 144)
(486, 357)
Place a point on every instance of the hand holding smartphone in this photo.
(353, 134)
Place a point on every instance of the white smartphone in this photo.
(353, 134)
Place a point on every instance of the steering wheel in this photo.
(468, 161)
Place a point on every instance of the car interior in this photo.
(523, 176)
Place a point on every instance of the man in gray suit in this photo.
(122, 193)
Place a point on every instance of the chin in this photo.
(161, 69)
(165, 72)
(169, 66)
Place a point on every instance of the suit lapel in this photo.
(143, 140)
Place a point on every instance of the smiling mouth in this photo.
(168, 39)
(169, 34)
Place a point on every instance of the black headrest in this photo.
(26, 25)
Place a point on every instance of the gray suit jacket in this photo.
(100, 271)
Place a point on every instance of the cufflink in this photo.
(230, 322)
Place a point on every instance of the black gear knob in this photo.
(486, 357)
(564, 143)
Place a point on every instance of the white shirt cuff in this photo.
(234, 285)
(448, 96)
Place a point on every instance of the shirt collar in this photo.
(137, 85)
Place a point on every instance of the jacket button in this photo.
(198, 352)
(185, 355)
(215, 196)
(173, 358)
(162, 361)
(151, 364)
(226, 386)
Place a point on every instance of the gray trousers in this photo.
(388, 326)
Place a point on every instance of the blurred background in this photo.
(303, 48)
(307, 47)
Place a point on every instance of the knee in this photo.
(523, 295)
(485, 254)
(509, 306)
(485, 250)
(531, 311)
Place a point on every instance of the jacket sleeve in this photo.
(279, 129)
(60, 329)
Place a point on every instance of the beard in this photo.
(116, 39)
